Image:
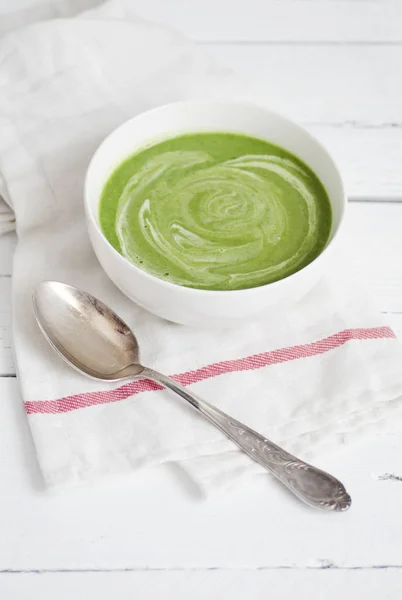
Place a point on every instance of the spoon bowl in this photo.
(86, 332)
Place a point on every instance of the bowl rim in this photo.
(206, 292)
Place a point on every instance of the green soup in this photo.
(216, 211)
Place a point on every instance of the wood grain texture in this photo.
(285, 584)
(359, 152)
(345, 95)
(156, 520)
(335, 85)
(284, 20)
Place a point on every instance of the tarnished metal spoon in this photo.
(96, 342)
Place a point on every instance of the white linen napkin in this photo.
(7, 218)
(312, 378)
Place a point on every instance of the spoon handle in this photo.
(313, 486)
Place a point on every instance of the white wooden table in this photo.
(336, 67)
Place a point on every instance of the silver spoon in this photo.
(96, 342)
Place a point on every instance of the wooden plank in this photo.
(343, 95)
(375, 246)
(375, 242)
(287, 20)
(155, 520)
(367, 157)
(337, 85)
(332, 21)
(199, 585)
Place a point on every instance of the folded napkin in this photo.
(312, 378)
(7, 218)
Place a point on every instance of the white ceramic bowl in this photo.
(188, 306)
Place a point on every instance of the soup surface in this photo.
(216, 211)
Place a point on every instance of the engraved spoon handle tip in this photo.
(314, 486)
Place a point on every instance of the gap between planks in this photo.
(260, 43)
(324, 565)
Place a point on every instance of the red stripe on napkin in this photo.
(255, 361)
